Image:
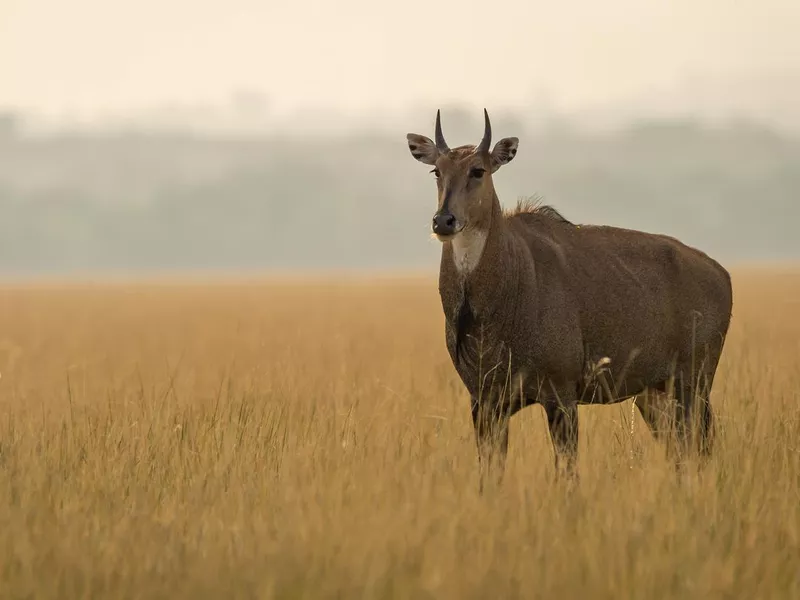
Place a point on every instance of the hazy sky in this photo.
(100, 56)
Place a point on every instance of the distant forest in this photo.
(169, 201)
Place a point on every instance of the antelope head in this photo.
(463, 177)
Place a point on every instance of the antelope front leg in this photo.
(491, 436)
(562, 418)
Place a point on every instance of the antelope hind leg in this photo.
(562, 419)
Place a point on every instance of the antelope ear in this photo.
(504, 152)
(422, 148)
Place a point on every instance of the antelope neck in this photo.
(468, 247)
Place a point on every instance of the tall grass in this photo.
(312, 440)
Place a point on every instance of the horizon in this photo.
(200, 135)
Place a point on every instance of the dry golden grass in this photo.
(306, 441)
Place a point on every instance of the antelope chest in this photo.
(480, 352)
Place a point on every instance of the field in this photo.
(310, 439)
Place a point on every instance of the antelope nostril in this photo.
(444, 223)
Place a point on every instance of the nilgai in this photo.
(539, 310)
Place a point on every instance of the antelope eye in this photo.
(476, 172)
(436, 173)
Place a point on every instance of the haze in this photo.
(242, 134)
(97, 57)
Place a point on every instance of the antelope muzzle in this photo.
(444, 224)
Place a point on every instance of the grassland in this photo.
(311, 440)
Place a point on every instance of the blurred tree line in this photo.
(144, 201)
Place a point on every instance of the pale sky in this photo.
(102, 56)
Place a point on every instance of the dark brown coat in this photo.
(549, 299)
(553, 313)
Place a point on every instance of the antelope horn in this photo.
(441, 145)
(487, 134)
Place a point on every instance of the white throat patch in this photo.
(468, 249)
